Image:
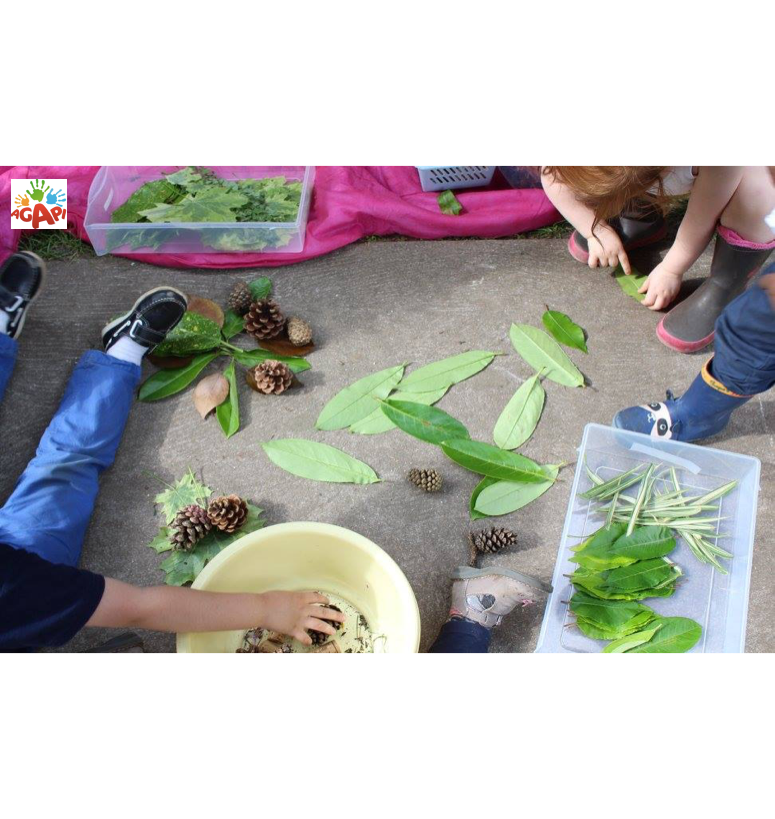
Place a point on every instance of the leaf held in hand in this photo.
(632, 283)
(429, 424)
(210, 392)
(359, 400)
(492, 462)
(542, 352)
(228, 412)
(164, 383)
(318, 462)
(564, 330)
(520, 416)
(449, 204)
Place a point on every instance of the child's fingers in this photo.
(613, 260)
(302, 637)
(319, 625)
(625, 263)
(315, 597)
(329, 614)
(644, 287)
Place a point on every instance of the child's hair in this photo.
(608, 189)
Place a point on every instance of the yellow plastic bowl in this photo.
(305, 556)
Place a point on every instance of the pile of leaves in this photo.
(204, 336)
(182, 567)
(198, 195)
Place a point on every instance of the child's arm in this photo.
(605, 247)
(168, 608)
(711, 193)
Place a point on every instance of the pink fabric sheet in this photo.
(349, 202)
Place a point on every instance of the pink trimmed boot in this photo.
(689, 326)
(636, 227)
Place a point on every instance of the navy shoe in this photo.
(152, 316)
(703, 410)
(20, 279)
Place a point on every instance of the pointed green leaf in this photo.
(228, 412)
(542, 352)
(440, 375)
(520, 416)
(645, 574)
(632, 640)
(164, 383)
(378, 422)
(249, 358)
(564, 330)
(359, 400)
(449, 204)
(318, 462)
(632, 283)
(611, 614)
(495, 463)
(480, 487)
(429, 424)
(504, 497)
(232, 324)
(676, 635)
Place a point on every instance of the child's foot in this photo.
(138, 331)
(635, 230)
(703, 410)
(20, 279)
(486, 596)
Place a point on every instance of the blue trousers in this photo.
(50, 507)
(458, 636)
(744, 360)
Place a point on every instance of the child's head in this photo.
(607, 189)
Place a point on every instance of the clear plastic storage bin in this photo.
(454, 177)
(113, 185)
(718, 602)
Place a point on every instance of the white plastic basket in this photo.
(454, 177)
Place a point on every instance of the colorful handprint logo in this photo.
(38, 203)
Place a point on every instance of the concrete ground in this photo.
(373, 305)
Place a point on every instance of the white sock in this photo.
(5, 320)
(126, 349)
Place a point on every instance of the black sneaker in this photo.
(20, 279)
(152, 316)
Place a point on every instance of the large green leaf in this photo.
(377, 421)
(597, 631)
(604, 552)
(676, 636)
(146, 196)
(429, 424)
(504, 497)
(542, 352)
(164, 383)
(624, 644)
(495, 463)
(611, 614)
(520, 416)
(193, 334)
(213, 204)
(182, 493)
(249, 358)
(441, 375)
(228, 412)
(564, 330)
(318, 462)
(645, 574)
(359, 400)
(632, 283)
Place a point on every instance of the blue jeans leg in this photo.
(458, 636)
(8, 347)
(50, 507)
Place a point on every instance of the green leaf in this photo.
(632, 640)
(610, 614)
(495, 463)
(228, 412)
(148, 195)
(260, 288)
(520, 416)
(318, 462)
(632, 283)
(378, 422)
(249, 358)
(605, 552)
(232, 324)
(676, 636)
(359, 400)
(161, 543)
(164, 383)
(449, 204)
(564, 330)
(213, 204)
(645, 574)
(441, 375)
(480, 487)
(543, 353)
(182, 493)
(504, 497)
(429, 424)
(194, 334)
(182, 567)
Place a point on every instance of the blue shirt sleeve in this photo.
(43, 604)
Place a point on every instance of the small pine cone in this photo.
(489, 541)
(299, 332)
(240, 298)
(429, 480)
(264, 320)
(272, 377)
(191, 524)
(319, 637)
(227, 513)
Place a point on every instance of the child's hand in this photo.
(292, 613)
(661, 287)
(606, 249)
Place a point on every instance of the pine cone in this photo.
(272, 377)
(240, 298)
(227, 513)
(264, 320)
(191, 524)
(319, 637)
(489, 541)
(429, 480)
(299, 332)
